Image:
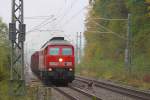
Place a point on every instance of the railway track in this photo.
(65, 94)
(123, 90)
(70, 93)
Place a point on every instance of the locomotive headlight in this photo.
(50, 69)
(70, 69)
(60, 59)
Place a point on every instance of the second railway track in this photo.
(114, 88)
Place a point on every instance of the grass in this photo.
(4, 93)
(3, 90)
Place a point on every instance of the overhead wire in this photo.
(108, 30)
(45, 22)
(75, 15)
(36, 17)
(68, 11)
(39, 30)
(42, 23)
(32, 17)
(56, 15)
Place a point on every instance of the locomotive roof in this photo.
(56, 42)
(59, 42)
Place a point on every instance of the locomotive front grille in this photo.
(60, 69)
(60, 63)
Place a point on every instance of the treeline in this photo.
(106, 39)
(4, 50)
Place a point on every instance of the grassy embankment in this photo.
(5, 67)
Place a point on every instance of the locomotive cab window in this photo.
(54, 51)
(66, 51)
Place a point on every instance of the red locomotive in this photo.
(55, 61)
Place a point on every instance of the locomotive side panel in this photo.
(35, 62)
(41, 61)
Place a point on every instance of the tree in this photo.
(108, 49)
(4, 50)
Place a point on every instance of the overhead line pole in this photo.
(80, 53)
(128, 57)
(77, 49)
(17, 38)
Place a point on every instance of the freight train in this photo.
(55, 61)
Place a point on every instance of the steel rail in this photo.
(65, 94)
(85, 93)
(116, 88)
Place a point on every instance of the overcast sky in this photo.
(62, 18)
